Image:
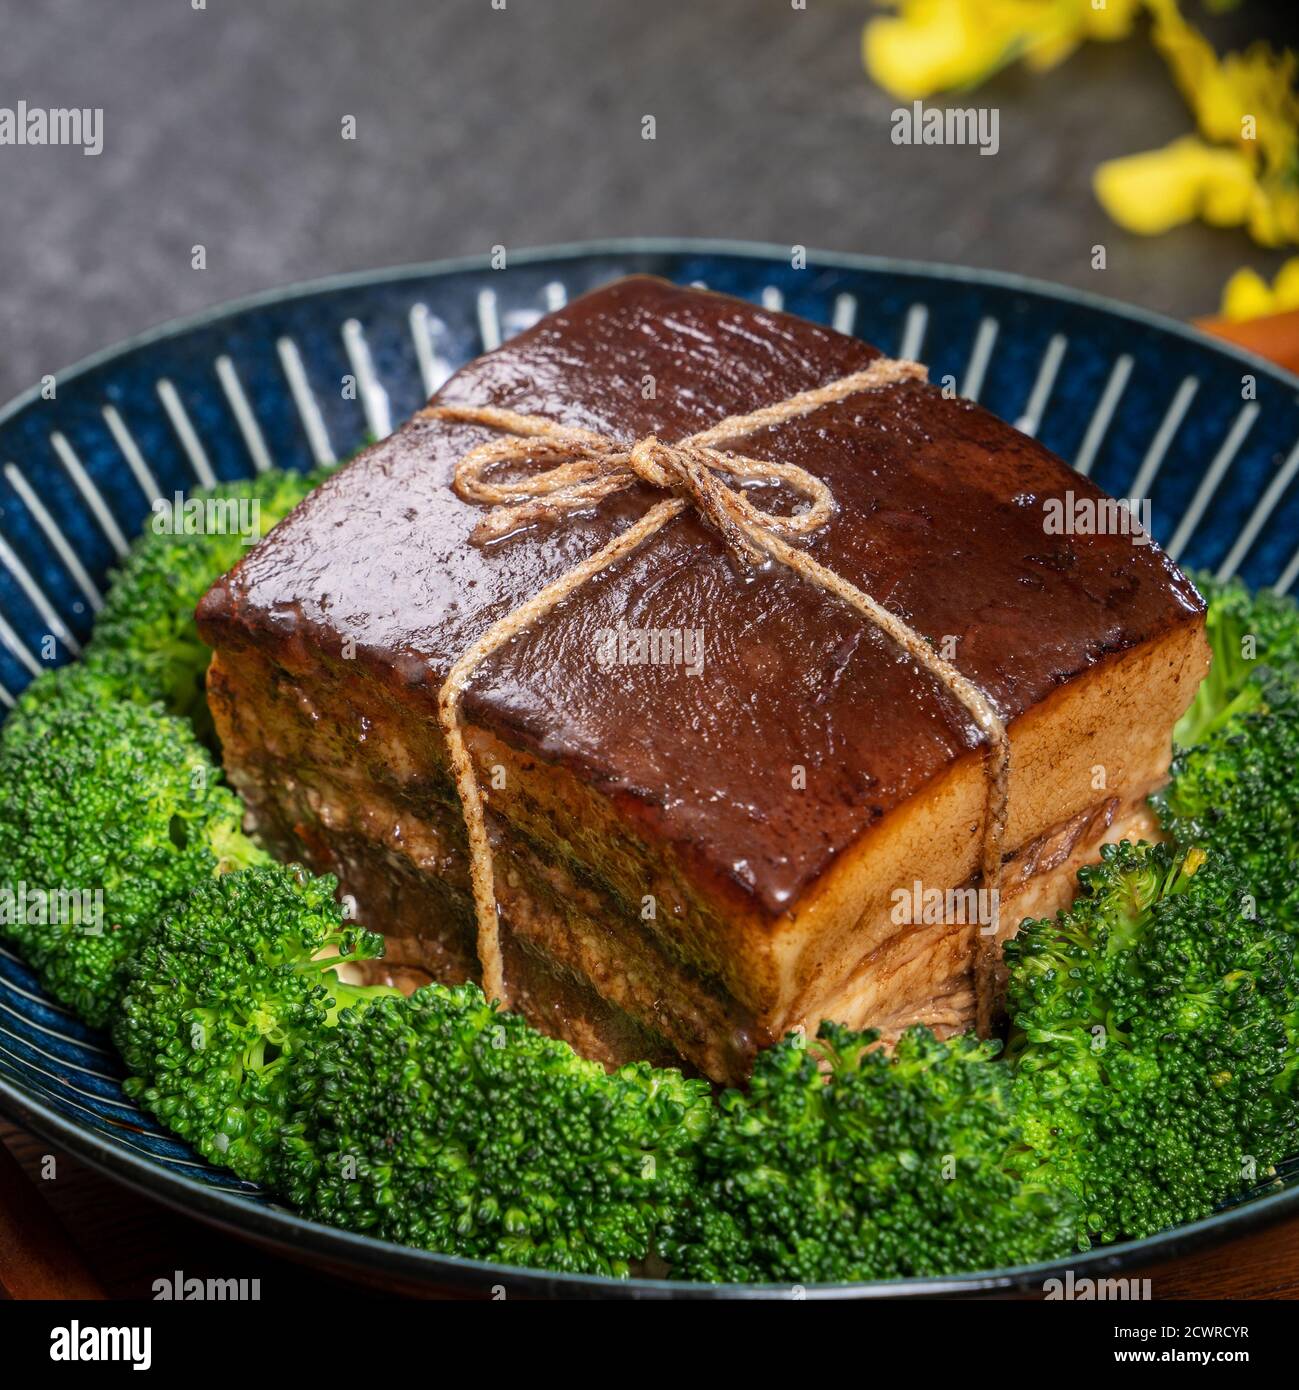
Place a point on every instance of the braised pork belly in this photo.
(709, 790)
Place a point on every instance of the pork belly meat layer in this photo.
(697, 859)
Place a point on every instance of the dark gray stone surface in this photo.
(523, 126)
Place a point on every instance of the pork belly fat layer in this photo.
(769, 797)
(396, 841)
(334, 772)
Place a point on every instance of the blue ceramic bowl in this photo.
(1147, 407)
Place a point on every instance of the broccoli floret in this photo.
(1154, 1031)
(1237, 793)
(230, 993)
(112, 811)
(145, 641)
(55, 691)
(1247, 631)
(843, 1163)
(1234, 766)
(440, 1122)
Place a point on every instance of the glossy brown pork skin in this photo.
(939, 514)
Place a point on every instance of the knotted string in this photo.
(582, 467)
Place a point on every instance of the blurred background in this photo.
(477, 125)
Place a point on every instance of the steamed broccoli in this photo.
(230, 992)
(144, 640)
(55, 693)
(1154, 1041)
(1236, 756)
(841, 1162)
(439, 1122)
(1152, 1060)
(1247, 632)
(109, 812)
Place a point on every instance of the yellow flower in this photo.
(1248, 296)
(1286, 285)
(1247, 101)
(1274, 218)
(1244, 98)
(1197, 72)
(1244, 171)
(937, 45)
(1152, 192)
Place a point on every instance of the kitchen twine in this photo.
(583, 468)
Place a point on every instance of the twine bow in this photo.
(579, 468)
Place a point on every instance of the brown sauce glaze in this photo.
(939, 516)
